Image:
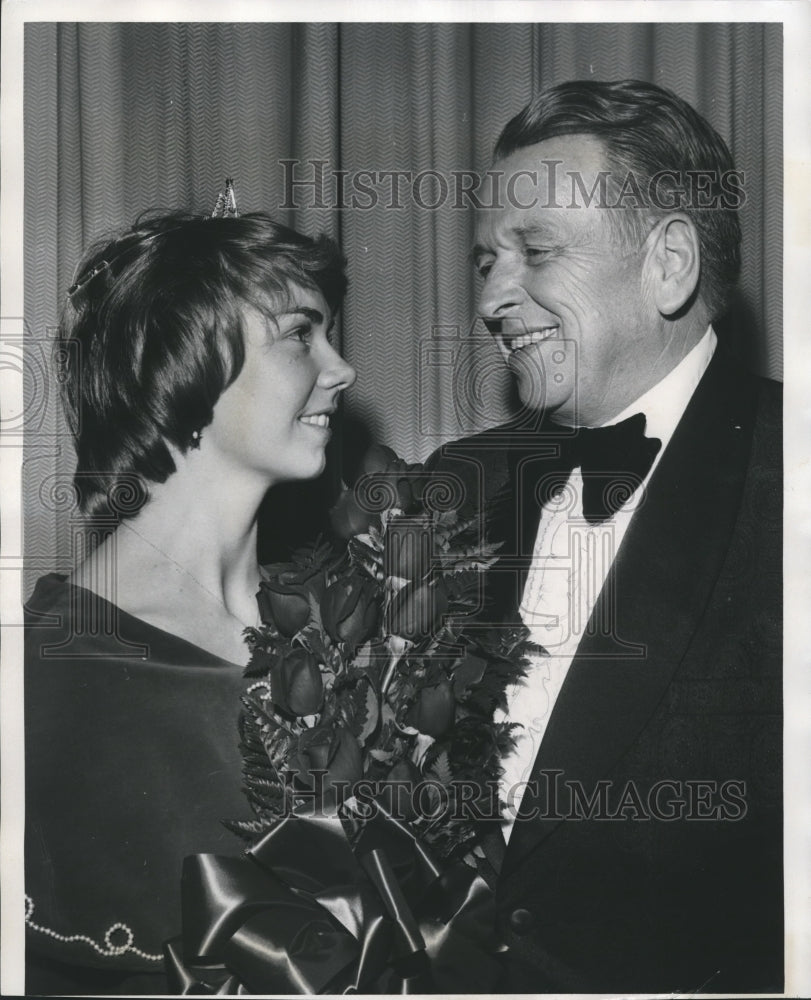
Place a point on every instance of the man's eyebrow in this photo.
(542, 229)
(524, 231)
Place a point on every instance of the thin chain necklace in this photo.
(191, 576)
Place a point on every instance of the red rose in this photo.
(378, 458)
(410, 485)
(403, 480)
(417, 610)
(350, 610)
(296, 686)
(409, 544)
(383, 481)
(350, 516)
(397, 790)
(468, 673)
(284, 599)
(433, 711)
(331, 748)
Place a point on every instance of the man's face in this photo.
(563, 293)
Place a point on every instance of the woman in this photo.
(204, 376)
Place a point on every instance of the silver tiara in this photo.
(226, 208)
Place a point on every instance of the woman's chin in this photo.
(309, 470)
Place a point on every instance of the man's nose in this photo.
(502, 292)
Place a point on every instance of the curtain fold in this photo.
(124, 117)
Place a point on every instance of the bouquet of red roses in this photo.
(371, 758)
(376, 682)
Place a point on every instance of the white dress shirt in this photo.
(570, 562)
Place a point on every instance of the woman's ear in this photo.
(674, 263)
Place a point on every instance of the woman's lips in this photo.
(315, 419)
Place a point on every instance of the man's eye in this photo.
(535, 255)
(484, 266)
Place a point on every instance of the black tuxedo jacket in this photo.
(648, 852)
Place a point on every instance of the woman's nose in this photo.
(337, 373)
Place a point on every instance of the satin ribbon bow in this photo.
(309, 912)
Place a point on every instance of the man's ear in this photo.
(674, 263)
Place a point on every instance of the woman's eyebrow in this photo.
(315, 316)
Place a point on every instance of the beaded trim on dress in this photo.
(106, 950)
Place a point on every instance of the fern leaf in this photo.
(441, 769)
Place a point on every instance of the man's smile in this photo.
(522, 340)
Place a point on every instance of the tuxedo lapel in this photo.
(654, 598)
(512, 517)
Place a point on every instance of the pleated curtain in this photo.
(124, 117)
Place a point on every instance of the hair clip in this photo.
(102, 265)
(226, 207)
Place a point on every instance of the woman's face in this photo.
(275, 417)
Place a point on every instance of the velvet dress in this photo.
(132, 763)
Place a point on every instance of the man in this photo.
(643, 828)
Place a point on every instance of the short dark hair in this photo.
(645, 129)
(157, 317)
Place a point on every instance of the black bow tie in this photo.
(614, 461)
